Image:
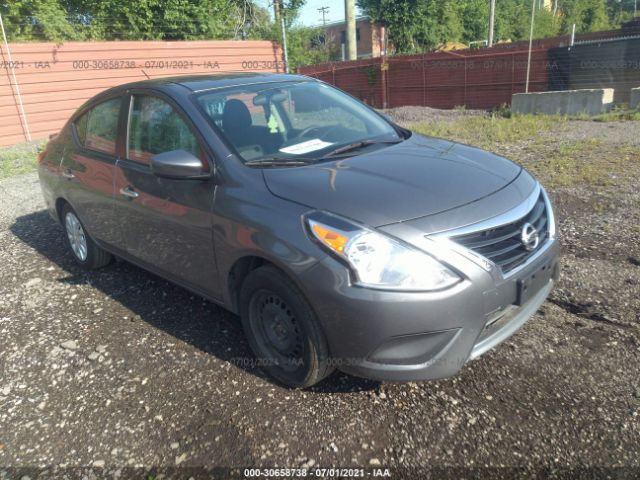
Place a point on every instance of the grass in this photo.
(488, 131)
(591, 162)
(617, 116)
(536, 142)
(19, 159)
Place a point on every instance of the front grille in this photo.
(503, 245)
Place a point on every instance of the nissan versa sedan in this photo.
(341, 239)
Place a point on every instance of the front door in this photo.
(166, 224)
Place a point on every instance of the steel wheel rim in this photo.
(277, 330)
(76, 236)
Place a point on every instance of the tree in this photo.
(474, 16)
(620, 11)
(415, 25)
(156, 19)
(260, 26)
(412, 25)
(37, 20)
(291, 9)
(60, 20)
(305, 45)
(513, 21)
(588, 15)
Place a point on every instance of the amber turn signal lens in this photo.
(331, 238)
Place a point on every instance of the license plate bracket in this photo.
(532, 283)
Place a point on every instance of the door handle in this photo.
(67, 174)
(129, 192)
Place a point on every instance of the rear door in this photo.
(165, 224)
(88, 170)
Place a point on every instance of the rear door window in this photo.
(97, 129)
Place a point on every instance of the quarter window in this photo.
(98, 128)
(155, 127)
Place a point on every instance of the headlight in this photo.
(379, 261)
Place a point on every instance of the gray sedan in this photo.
(341, 239)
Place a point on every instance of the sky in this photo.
(309, 14)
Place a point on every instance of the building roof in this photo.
(360, 18)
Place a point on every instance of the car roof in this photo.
(197, 83)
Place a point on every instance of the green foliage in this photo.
(418, 25)
(489, 131)
(474, 15)
(37, 20)
(413, 25)
(19, 159)
(513, 21)
(155, 19)
(620, 11)
(305, 45)
(260, 26)
(588, 15)
(59, 20)
(290, 10)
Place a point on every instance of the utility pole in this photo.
(350, 14)
(279, 16)
(276, 10)
(533, 15)
(284, 45)
(492, 18)
(324, 11)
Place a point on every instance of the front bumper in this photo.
(405, 336)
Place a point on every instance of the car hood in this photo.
(418, 177)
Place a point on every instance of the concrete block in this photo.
(634, 100)
(566, 102)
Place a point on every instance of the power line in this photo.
(324, 11)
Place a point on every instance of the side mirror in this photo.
(178, 164)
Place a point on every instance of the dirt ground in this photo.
(118, 373)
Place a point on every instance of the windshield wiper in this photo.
(278, 162)
(356, 145)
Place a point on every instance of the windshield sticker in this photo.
(306, 147)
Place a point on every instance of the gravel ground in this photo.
(117, 372)
(410, 114)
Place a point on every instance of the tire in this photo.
(282, 329)
(83, 248)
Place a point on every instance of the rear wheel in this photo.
(282, 329)
(85, 251)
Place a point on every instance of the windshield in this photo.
(292, 120)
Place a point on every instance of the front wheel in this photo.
(85, 251)
(282, 329)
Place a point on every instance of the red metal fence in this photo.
(440, 80)
(475, 78)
